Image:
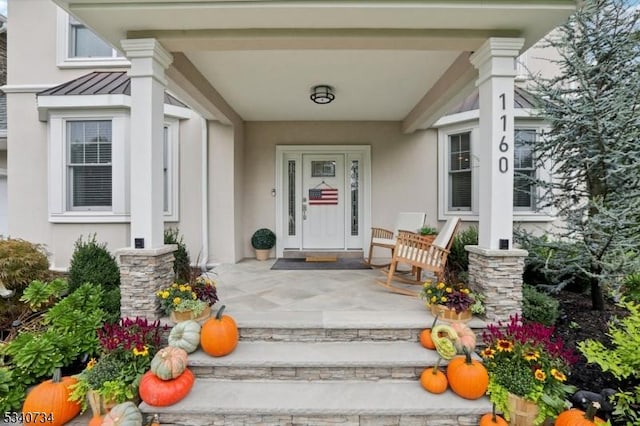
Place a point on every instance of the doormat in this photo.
(321, 259)
(302, 264)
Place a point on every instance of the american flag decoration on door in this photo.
(323, 196)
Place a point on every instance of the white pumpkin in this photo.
(185, 335)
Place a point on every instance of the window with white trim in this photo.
(459, 171)
(524, 169)
(89, 167)
(84, 43)
(458, 195)
(79, 47)
(89, 164)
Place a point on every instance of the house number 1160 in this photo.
(503, 161)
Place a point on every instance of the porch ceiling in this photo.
(257, 60)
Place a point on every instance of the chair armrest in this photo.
(381, 233)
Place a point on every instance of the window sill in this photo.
(518, 216)
(94, 62)
(89, 217)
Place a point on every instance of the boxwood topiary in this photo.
(182, 261)
(263, 239)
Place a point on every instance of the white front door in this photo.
(323, 201)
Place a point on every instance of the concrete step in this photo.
(220, 402)
(336, 326)
(317, 361)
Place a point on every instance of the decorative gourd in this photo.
(125, 414)
(444, 337)
(434, 380)
(575, 417)
(160, 393)
(466, 337)
(219, 335)
(492, 419)
(169, 363)
(50, 399)
(185, 335)
(425, 335)
(468, 378)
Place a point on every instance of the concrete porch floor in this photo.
(257, 296)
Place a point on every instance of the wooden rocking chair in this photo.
(422, 255)
(384, 238)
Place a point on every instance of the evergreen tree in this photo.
(593, 147)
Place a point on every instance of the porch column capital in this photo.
(148, 58)
(495, 58)
(495, 61)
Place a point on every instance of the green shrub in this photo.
(92, 263)
(263, 239)
(181, 262)
(622, 360)
(538, 306)
(458, 260)
(631, 287)
(22, 262)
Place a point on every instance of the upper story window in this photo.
(84, 43)
(79, 47)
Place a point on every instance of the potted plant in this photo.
(449, 302)
(527, 370)
(263, 241)
(188, 301)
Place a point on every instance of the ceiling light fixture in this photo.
(322, 94)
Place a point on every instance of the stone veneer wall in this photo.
(142, 273)
(497, 274)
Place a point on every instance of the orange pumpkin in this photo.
(219, 336)
(425, 335)
(467, 377)
(434, 380)
(492, 419)
(51, 399)
(160, 393)
(575, 417)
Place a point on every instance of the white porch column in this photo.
(149, 60)
(495, 62)
(495, 267)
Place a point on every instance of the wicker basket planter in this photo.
(177, 317)
(447, 314)
(521, 411)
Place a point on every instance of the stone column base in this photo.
(142, 273)
(497, 274)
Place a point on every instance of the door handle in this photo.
(304, 211)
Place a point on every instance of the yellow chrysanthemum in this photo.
(558, 375)
(193, 296)
(174, 285)
(540, 375)
(531, 355)
(165, 294)
(176, 300)
(465, 291)
(182, 288)
(434, 299)
(443, 299)
(449, 290)
(440, 286)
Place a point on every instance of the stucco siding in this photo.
(403, 167)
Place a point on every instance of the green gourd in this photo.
(125, 414)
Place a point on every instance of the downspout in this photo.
(205, 193)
